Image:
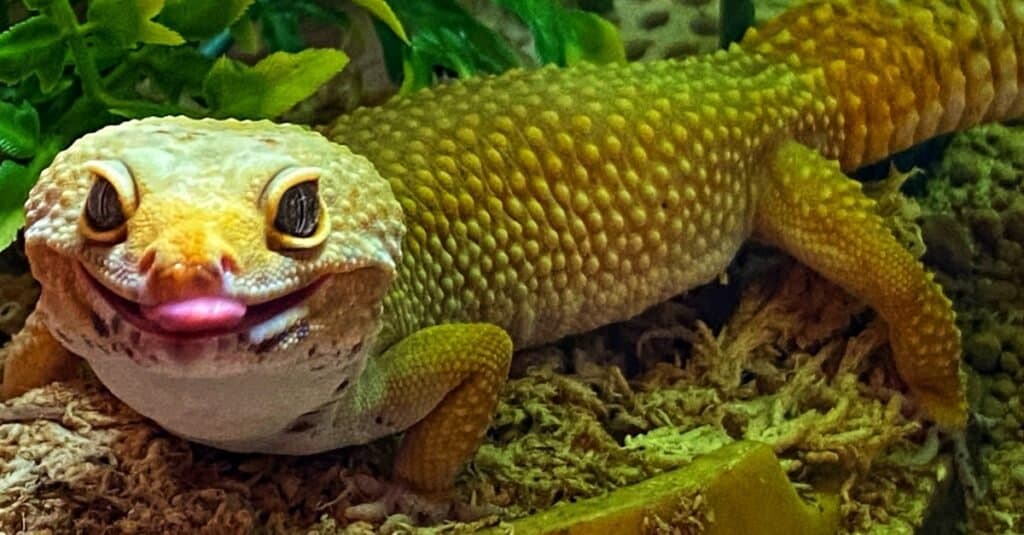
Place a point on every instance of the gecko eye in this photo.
(295, 210)
(111, 201)
(103, 208)
(298, 211)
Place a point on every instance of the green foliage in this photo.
(443, 34)
(65, 77)
(567, 36)
(444, 37)
(15, 182)
(202, 19)
(271, 86)
(128, 23)
(281, 22)
(35, 46)
(19, 130)
(383, 12)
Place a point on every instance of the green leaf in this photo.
(15, 183)
(383, 12)
(567, 36)
(272, 86)
(33, 46)
(443, 34)
(16, 180)
(284, 23)
(176, 71)
(84, 116)
(597, 40)
(281, 31)
(37, 5)
(202, 19)
(128, 21)
(19, 130)
(246, 35)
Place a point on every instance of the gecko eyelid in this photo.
(110, 202)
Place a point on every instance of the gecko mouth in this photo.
(243, 317)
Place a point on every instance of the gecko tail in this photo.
(905, 71)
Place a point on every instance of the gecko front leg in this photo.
(814, 212)
(34, 358)
(447, 377)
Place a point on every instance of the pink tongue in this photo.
(197, 314)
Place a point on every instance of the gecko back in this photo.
(904, 71)
(554, 201)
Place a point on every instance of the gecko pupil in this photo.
(298, 211)
(103, 207)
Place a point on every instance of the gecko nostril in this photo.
(228, 264)
(146, 262)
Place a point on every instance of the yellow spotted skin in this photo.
(902, 72)
(503, 212)
(549, 202)
(821, 217)
(435, 447)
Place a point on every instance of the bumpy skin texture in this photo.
(199, 227)
(511, 210)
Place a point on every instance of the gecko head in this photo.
(187, 257)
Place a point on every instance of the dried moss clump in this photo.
(784, 370)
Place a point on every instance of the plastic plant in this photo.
(69, 68)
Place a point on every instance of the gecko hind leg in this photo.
(810, 209)
(34, 358)
(452, 373)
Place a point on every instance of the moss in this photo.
(983, 351)
(979, 186)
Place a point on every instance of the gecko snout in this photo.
(174, 277)
(188, 294)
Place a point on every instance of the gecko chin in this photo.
(249, 318)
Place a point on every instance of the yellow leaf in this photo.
(381, 10)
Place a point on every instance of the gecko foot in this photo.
(394, 498)
(395, 501)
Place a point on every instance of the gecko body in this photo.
(261, 287)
